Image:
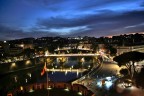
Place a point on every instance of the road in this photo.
(108, 72)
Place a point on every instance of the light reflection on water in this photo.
(62, 77)
(32, 75)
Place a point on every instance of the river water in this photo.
(32, 75)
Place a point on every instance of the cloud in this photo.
(142, 4)
(94, 3)
(100, 23)
(96, 25)
(52, 5)
(7, 33)
(42, 2)
(58, 22)
(70, 18)
(109, 16)
(109, 4)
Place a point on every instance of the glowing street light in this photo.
(55, 66)
(72, 66)
(46, 53)
(31, 90)
(21, 88)
(29, 74)
(66, 72)
(77, 72)
(67, 89)
(5, 41)
(22, 45)
(82, 60)
(89, 66)
(28, 62)
(49, 88)
(15, 79)
(13, 65)
(79, 93)
(26, 80)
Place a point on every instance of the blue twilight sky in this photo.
(37, 18)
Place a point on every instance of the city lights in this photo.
(21, 88)
(28, 62)
(67, 89)
(13, 65)
(72, 47)
(31, 90)
(49, 88)
(80, 93)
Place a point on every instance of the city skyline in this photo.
(28, 18)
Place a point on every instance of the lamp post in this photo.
(47, 60)
(81, 64)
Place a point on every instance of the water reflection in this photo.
(32, 75)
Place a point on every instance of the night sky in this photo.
(96, 18)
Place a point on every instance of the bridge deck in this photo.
(66, 70)
(70, 55)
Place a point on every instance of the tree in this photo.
(29, 52)
(124, 72)
(128, 59)
(62, 61)
(94, 47)
(111, 50)
(50, 62)
(140, 79)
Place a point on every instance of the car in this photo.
(128, 83)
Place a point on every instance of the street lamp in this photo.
(67, 89)
(28, 62)
(80, 93)
(5, 41)
(89, 67)
(72, 66)
(15, 79)
(13, 65)
(29, 74)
